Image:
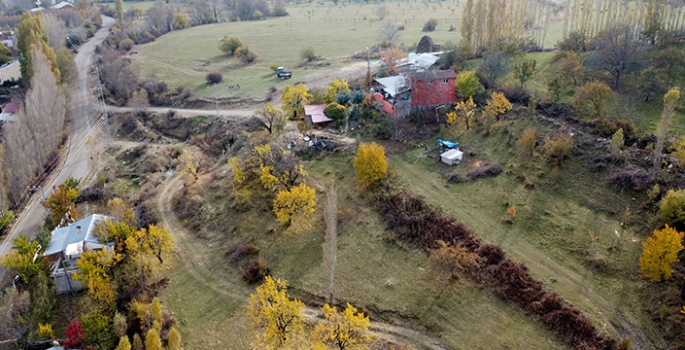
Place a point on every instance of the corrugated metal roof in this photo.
(64, 236)
(432, 74)
(316, 113)
(393, 85)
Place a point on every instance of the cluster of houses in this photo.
(418, 85)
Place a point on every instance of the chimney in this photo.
(78, 229)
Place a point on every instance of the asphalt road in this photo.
(85, 119)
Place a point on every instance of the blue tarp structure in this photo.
(448, 144)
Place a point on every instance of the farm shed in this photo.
(315, 116)
(452, 157)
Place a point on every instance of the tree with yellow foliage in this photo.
(190, 164)
(528, 140)
(659, 251)
(465, 110)
(95, 270)
(345, 330)
(239, 174)
(293, 100)
(61, 205)
(174, 341)
(26, 261)
(497, 105)
(273, 312)
(124, 343)
(370, 163)
(277, 167)
(153, 341)
(334, 88)
(155, 240)
(595, 94)
(299, 200)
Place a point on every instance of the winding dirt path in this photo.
(200, 272)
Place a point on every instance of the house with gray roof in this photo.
(66, 246)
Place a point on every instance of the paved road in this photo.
(84, 120)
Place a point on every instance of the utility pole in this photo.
(105, 116)
(216, 102)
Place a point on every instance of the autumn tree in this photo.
(293, 100)
(677, 151)
(98, 329)
(335, 112)
(155, 240)
(528, 140)
(524, 70)
(31, 36)
(153, 341)
(370, 163)
(346, 330)
(274, 313)
(454, 260)
(74, 336)
(95, 270)
(467, 85)
(569, 65)
(190, 164)
(671, 97)
(497, 105)
(119, 9)
(270, 117)
(228, 45)
(174, 341)
(467, 24)
(245, 54)
(335, 88)
(672, 208)
(464, 110)
(180, 20)
(595, 95)
(557, 148)
(659, 251)
(616, 143)
(300, 200)
(25, 261)
(277, 167)
(124, 343)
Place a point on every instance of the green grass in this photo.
(395, 283)
(551, 229)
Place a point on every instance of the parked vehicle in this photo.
(283, 74)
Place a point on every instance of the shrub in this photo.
(274, 67)
(335, 111)
(456, 178)
(280, 12)
(126, 45)
(672, 208)
(230, 45)
(484, 172)
(430, 25)
(370, 163)
(558, 148)
(630, 179)
(528, 140)
(257, 15)
(180, 20)
(245, 54)
(255, 272)
(214, 77)
(307, 54)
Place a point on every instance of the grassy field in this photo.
(335, 32)
(551, 231)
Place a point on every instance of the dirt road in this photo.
(84, 123)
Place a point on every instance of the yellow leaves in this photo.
(671, 96)
(272, 310)
(293, 100)
(239, 174)
(300, 200)
(334, 88)
(267, 178)
(264, 153)
(155, 240)
(528, 140)
(189, 164)
(343, 330)
(45, 331)
(21, 262)
(465, 110)
(95, 266)
(595, 94)
(497, 105)
(677, 151)
(512, 212)
(370, 163)
(659, 251)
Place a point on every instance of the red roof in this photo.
(11, 107)
(316, 113)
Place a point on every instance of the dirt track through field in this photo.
(190, 251)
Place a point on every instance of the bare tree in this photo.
(160, 17)
(330, 246)
(56, 30)
(670, 99)
(616, 53)
(389, 32)
(270, 117)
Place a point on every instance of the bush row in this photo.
(415, 221)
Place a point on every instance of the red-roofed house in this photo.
(9, 111)
(315, 116)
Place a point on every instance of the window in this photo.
(444, 81)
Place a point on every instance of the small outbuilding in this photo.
(315, 116)
(452, 157)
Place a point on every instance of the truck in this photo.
(283, 74)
